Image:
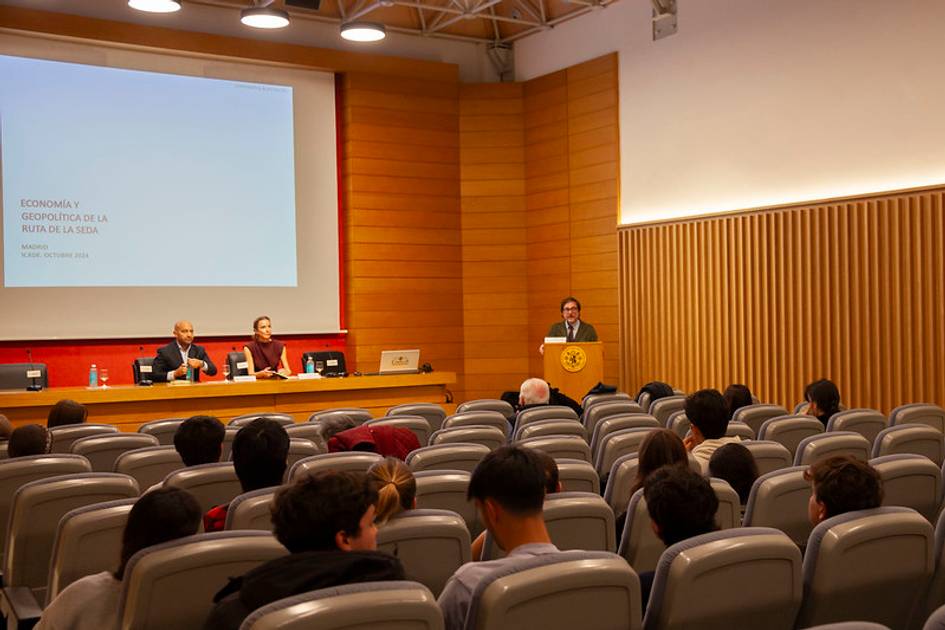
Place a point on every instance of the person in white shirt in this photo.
(508, 487)
(708, 420)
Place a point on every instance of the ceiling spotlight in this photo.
(155, 6)
(264, 17)
(363, 31)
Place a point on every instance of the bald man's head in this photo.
(184, 333)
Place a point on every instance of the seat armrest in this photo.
(20, 607)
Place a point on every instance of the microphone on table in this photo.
(31, 373)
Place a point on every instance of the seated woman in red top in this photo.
(265, 355)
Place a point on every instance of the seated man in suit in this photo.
(173, 359)
(571, 327)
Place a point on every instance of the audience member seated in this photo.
(384, 440)
(265, 356)
(736, 397)
(552, 486)
(534, 392)
(199, 440)
(31, 439)
(326, 521)
(681, 504)
(66, 412)
(823, 400)
(260, 450)
(842, 484)
(508, 487)
(708, 420)
(659, 448)
(6, 427)
(91, 603)
(656, 390)
(735, 464)
(395, 486)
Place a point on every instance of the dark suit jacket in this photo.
(168, 359)
(585, 331)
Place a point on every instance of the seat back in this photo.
(251, 510)
(242, 420)
(729, 512)
(602, 410)
(911, 481)
(376, 605)
(620, 483)
(310, 431)
(618, 422)
(237, 364)
(431, 412)
(663, 408)
(866, 565)
(187, 573)
(678, 423)
(917, 439)
(769, 456)
(560, 590)
(592, 399)
(823, 445)
(431, 544)
(418, 425)
(446, 490)
(14, 375)
(149, 465)
(789, 430)
(934, 596)
(866, 422)
(740, 430)
(550, 427)
(211, 484)
(488, 404)
(34, 517)
(576, 475)
(919, 413)
(580, 520)
(545, 412)
(226, 449)
(490, 437)
(618, 444)
(88, 541)
(350, 460)
(141, 369)
(19, 471)
(477, 418)
(755, 415)
(299, 449)
(61, 438)
(763, 562)
(639, 544)
(163, 429)
(103, 450)
(358, 414)
(460, 456)
(644, 399)
(559, 446)
(779, 499)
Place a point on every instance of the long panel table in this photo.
(130, 406)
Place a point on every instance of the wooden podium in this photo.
(574, 368)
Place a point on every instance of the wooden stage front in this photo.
(130, 406)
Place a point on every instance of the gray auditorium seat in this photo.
(103, 450)
(769, 456)
(592, 399)
(418, 425)
(579, 520)
(433, 413)
(663, 408)
(477, 418)
(241, 421)
(740, 430)
(251, 510)
(310, 431)
(618, 422)
(446, 490)
(550, 427)
(545, 412)
(866, 422)
(488, 404)
(163, 429)
(211, 484)
(576, 475)
(617, 444)
(488, 436)
(603, 410)
(755, 415)
(352, 460)
(447, 457)
(823, 445)
(358, 414)
(911, 481)
(559, 446)
(678, 423)
(789, 430)
(61, 438)
(919, 413)
(149, 465)
(918, 439)
(779, 499)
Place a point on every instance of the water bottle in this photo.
(93, 376)
(190, 374)
(309, 365)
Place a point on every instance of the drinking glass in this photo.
(103, 375)
(226, 371)
(319, 366)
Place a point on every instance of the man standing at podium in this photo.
(173, 359)
(572, 327)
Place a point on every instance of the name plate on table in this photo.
(34, 373)
(331, 363)
(556, 340)
(244, 379)
(179, 383)
(242, 365)
(145, 369)
(305, 376)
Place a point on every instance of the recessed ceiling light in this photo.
(155, 6)
(264, 17)
(363, 31)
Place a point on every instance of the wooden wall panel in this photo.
(492, 182)
(852, 290)
(401, 190)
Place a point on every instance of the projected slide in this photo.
(124, 178)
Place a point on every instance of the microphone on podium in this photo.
(32, 373)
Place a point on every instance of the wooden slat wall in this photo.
(852, 290)
(492, 179)
(400, 173)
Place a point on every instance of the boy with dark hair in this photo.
(681, 504)
(708, 421)
(260, 450)
(31, 439)
(199, 440)
(842, 484)
(508, 487)
(326, 521)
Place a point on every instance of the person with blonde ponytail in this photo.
(396, 488)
